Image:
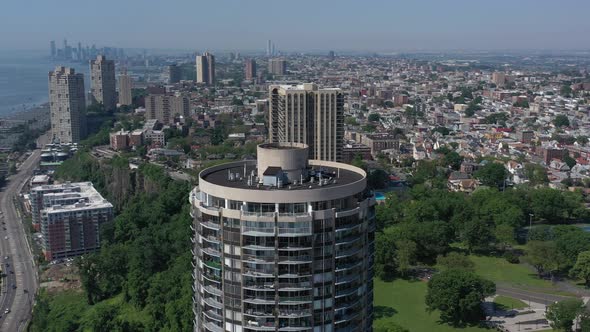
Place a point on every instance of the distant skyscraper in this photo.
(250, 69)
(103, 82)
(53, 49)
(174, 74)
(80, 55)
(67, 105)
(269, 48)
(331, 55)
(206, 68)
(125, 86)
(277, 66)
(306, 114)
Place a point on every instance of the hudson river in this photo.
(23, 79)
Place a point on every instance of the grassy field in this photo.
(406, 298)
(507, 303)
(497, 269)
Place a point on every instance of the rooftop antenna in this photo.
(244, 169)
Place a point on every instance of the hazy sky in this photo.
(305, 25)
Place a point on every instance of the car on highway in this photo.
(6, 258)
(13, 286)
(6, 311)
(6, 238)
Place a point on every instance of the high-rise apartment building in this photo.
(206, 68)
(499, 78)
(102, 72)
(310, 115)
(165, 108)
(283, 244)
(70, 215)
(277, 66)
(125, 86)
(174, 74)
(269, 48)
(250, 69)
(67, 105)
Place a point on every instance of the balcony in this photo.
(212, 302)
(210, 225)
(302, 231)
(212, 290)
(211, 239)
(259, 286)
(210, 326)
(211, 252)
(213, 265)
(213, 315)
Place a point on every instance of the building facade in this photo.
(206, 68)
(70, 215)
(277, 66)
(125, 86)
(67, 105)
(165, 108)
(102, 72)
(250, 69)
(310, 115)
(174, 74)
(283, 244)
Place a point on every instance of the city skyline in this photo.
(370, 26)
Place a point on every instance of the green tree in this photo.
(458, 295)
(569, 161)
(478, 234)
(561, 121)
(545, 257)
(455, 261)
(374, 117)
(492, 174)
(561, 314)
(405, 255)
(453, 160)
(505, 235)
(385, 256)
(582, 267)
(583, 140)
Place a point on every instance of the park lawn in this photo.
(498, 270)
(507, 303)
(407, 299)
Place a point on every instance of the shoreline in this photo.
(33, 113)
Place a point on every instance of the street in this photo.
(19, 287)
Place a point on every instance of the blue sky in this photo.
(303, 25)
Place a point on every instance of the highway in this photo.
(20, 286)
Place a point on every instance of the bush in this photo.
(511, 257)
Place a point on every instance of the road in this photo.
(14, 244)
(527, 295)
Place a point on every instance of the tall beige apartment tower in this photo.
(67, 105)
(102, 72)
(206, 68)
(307, 114)
(125, 86)
(277, 66)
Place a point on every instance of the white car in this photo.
(6, 310)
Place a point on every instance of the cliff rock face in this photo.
(120, 184)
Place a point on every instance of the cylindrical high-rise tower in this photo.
(283, 244)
